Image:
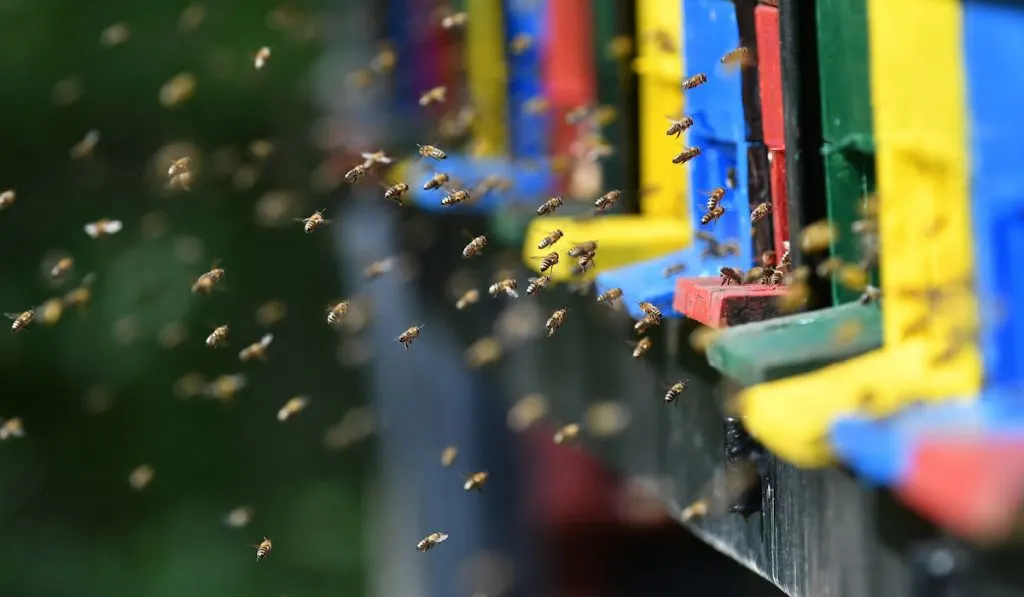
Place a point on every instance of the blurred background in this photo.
(152, 464)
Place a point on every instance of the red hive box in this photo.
(715, 305)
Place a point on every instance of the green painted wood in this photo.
(795, 344)
(849, 179)
(842, 27)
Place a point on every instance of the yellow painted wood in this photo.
(918, 93)
(487, 76)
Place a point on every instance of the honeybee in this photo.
(712, 216)
(609, 296)
(448, 456)
(768, 258)
(715, 197)
(641, 347)
(395, 192)
(606, 201)
(409, 336)
(650, 310)
(687, 154)
(828, 267)
(676, 391)
(179, 166)
(475, 482)
(695, 81)
(21, 320)
(871, 295)
(567, 434)
(581, 249)
(538, 284)
(816, 237)
(455, 198)
(313, 222)
(678, 126)
(519, 44)
(256, 350)
(760, 212)
(357, 172)
(436, 181)
(583, 264)
(81, 294)
(548, 261)
(141, 476)
(674, 269)
(455, 21)
(259, 60)
(555, 321)
(434, 95)
(61, 268)
(468, 298)
(11, 428)
(263, 549)
(549, 206)
(739, 58)
(430, 541)
(429, 151)
(103, 227)
(85, 147)
(507, 286)
(553, 237)
(378, 268)
(225, 387)
(294, 406)
(217, 337)
(336, 311)
(238, 517)
(49, 312)
(206, 282)
(731, 275)
(7, 198)
(776, 276)
(475, 247)
(645, 323)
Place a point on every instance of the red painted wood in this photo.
(769, 67)
(681, 300)
(780, 199)
(715, 305)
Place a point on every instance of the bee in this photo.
(263, 549)
(768, 258)
(11, 428)
(261, 57)
(80, 295)
(225, 387)
(549, 206)
(179, 166)
(103, 227)
(508, 286)
(555, 321)
(205, 283)
(650, 311)
(475, 247)
(760, 212)
(871, 295)
(583, 264)
(731, 275)
(673, 270)
(715, 197)
(49, 312)
(712, 216)
(436, 181)
(816, 237)
(85, 147)
(548, 261)
(695, 81)
(567, 434)
(519, 44)
(776, 276)
(434, 95)
(609, 296)
(141, 476)
(238, 517)
(256, 350)
(359, 171)
(217, 337)
(641, 347)
(61, 268)
(409, 336)
(336, 311)
(739, 58)
(448, 456)
(7, 198)
(395, 192)
(581, 249)
(455, 21)
(538, 284)
(676, 128)
(687, 154)
(606, 201)
(676, 391)
(828, 267)
(430, 541)
(313, 222)
(429, 151)
(455, 198)
(294, 406)
(468, 298)
(378, 268)
(553, 237)
(645, 323)
(475, 482)
(21, 320)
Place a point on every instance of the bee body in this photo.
(538, 284)
(263, 549)
(395, 192)
(61, 268)
(507, 286)
(206, 282)
(645, 323)
(431, 541)
(555, 321)
(553, 237)
(294, 406)
(715, 197)
(641, 347)
(256, 350)
(650, 311)
(455, 198)
(179, 166)
(103, 227)
(409, 336)
(583, 264)
(760, 212)
(712, 216)
(871, 295)
(455, 21)
(606, 201)
(740, 57)
(731, 275)
(677, 127)
(217, 336)
(475, 482)
(449, 455)
(81, 295)
(11, 428)
(429, 151)
(475, 247)
(582, 249)
(695, 81)
(261, 57)
(675, 391)
(434, 95)
(687, 154)
(313, 222)
(21, 320)
(436, 181)
(609, 296)
(567, 434)
(7, 198)
(378, 268)
(549, 206)
(468, 298)
(548, 261)
(357, 172)
(336, 311)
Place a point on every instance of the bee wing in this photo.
(92, 229)
(266, 340)
(113, 226)
(12, 315)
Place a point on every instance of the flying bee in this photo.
(828, 267)
(294, 406)
(429, 151)
(357, 172)
(695, 81)
(256, 350)
(448, 456)
(567, 434)
(336, 311)
(179, 166)
(676, 128)
(739, 58)
(375, 157)
(475, 482)
(259, 60)
(641, 347)
(538, 284)
(225, 387)
(650, 310)
(555, 321)
(712, 216)
(141, 476)
(313, 222)
(436, 181)
(606, 201)
(645, 323)
(553, 237)
(583, 264)
(409, 336)
(455, 21)
(263, 549)
(871, 295)
(507, 286)
(687, 154)
(817, 237)
(81, 294)
(715, 197)
(206, 282)
(519, 44)
(455, 198)
(731, 275)
(7, 198)
(777, 275)
(475, 247)
(609, 296)
(61, 268)
(49, 313)
(468, 298)
(102, 227)
(21, 320)
(431, 541)
(218, 336)
(549, 206)
(673, 270)
(760, 212)
(434, 95)
(676, 391)
(378, 268)
(547, 261)
(578, 114)
(395, 192)
(581, 249)
(11, 428)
